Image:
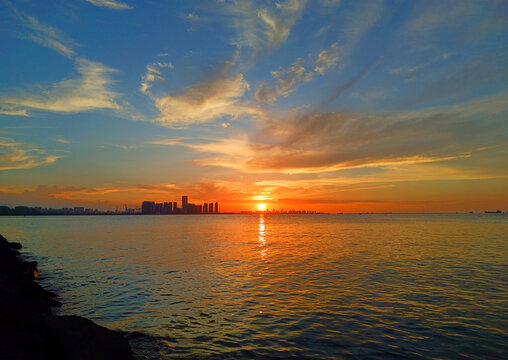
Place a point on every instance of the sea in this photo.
(408, 286)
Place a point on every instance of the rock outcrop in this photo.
(29, 330)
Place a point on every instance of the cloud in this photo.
(90, 91)
(327, 58)
(11, 112)
(45, 35)
(404, 70)
(124, 147)
(325, 142)
(262, 29)
(358, 23)
(287, 80)
(204, 102)
(110, 4)
(346, 86)
(238, 147)
(153, 73)
(18, 155)
(62, 141)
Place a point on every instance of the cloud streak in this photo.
(115, 5)
(287, 80)
(91, 90)
(325, 142)
(16, 155)
(262, 29)
(12, 112)
(153, 73)
(45, 35)
(218, 97)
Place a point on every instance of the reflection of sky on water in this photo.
(206, 285)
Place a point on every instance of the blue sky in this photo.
(330, 104)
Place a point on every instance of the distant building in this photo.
(158, 208)
(78, 210)
(185, 203)
(148, 207)
(168, 208)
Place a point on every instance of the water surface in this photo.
(302, 286)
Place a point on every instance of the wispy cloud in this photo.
(327, 58)
(12, 112)
(45, 35)
(116, 5)
(207, 101)
(124, 147)
(153, 73)
(262, 29)
(18, 155)
(358, 23)
(315, 143)
(62, 141)
(91, 90)
(287, 80)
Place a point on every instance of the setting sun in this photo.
(261, 207)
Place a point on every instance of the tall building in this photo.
(210, 208)
(158, 208)
(168, 208)
(148, 207)
(205, 208)
(185, 203)
(174, 208)
(216, 207)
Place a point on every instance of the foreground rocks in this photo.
(29, 330)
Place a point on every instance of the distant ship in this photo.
(493, 212)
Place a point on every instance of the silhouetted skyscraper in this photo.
(185, 203)
(148, 207)
(168, 208)
(210, 208)
(158, 208)
(205, 208)
(216, 207)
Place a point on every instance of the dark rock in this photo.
(15, 245)
(77, 338)
(28, 330)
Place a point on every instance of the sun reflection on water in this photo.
(262, 236)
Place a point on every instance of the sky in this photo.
(333, 106)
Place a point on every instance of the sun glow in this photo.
(261, 207)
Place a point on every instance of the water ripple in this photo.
(279, 287)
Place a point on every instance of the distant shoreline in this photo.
(267, 213)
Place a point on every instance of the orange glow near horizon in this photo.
(261, 207)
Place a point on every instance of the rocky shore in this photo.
(28, 328)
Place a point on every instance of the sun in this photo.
(261, 207)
